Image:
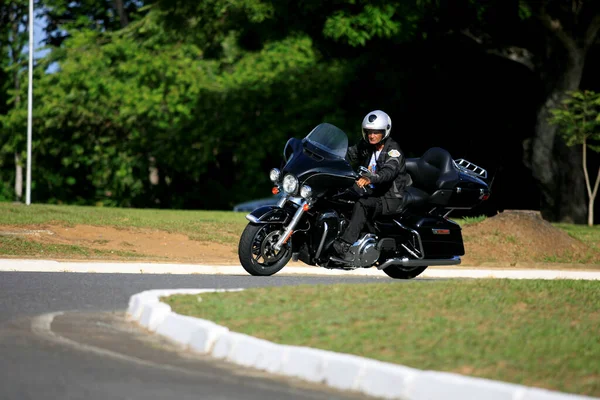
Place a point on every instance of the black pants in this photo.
(364, 209)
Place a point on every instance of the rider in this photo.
(383, 186)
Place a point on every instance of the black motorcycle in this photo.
(320, 191)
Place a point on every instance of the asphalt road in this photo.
(65, 336)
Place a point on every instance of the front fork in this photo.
(287, 232)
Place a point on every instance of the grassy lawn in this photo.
(532, 332)
(211, 226)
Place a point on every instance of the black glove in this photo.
(363, 171)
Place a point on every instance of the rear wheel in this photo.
(396, 272)
(256, 251)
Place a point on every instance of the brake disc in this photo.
(267, 249)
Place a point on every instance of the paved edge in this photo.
(336, 370)
(25, 265)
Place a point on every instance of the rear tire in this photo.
(396, 272)
(256, 252)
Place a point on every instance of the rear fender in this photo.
(269, 215)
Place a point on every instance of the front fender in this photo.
(269, 215)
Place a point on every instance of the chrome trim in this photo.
(470, 168)
(322, 242)
(405, 262)
(252, 218)
(327, 174)
(296, 200)
(289, 229)
(415, 233)
(282, 201)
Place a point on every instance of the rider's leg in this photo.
(365, 208)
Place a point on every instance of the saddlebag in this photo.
(440, 237)
(435, 237)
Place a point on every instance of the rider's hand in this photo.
(363, 181)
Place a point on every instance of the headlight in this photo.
(290, 184)
(274, 175)
(306, 191)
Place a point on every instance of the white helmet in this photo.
(377, 120)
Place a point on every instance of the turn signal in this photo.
(484, 194)
(305, 207)
(275, 190)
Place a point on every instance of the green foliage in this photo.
(579, 118)
(357, 29)
(127, 101)
(111, 97)
(205, 94)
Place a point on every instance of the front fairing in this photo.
(319, 160)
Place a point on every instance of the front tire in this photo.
(396, 272)
(256, 252)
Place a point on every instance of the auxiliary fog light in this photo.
(306, 192)
(274, 175)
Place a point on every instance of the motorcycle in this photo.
(319, 193)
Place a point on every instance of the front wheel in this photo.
(256, 251)
(396, 272)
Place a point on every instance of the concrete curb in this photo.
(167, 268)
(340, 371)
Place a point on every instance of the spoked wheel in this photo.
(396, 272)
(256, 251)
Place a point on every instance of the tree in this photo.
(14, 19)
(552, 39)
(579, 118)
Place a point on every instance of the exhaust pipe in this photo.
(407, 262)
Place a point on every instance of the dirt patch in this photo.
(513, 238)
(521, 236)
(127, 244)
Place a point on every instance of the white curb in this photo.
(158, 268)
(337, 370)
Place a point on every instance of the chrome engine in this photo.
(364, 251)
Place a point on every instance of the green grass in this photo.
(587, 234)
(470, 220)
(212, 226)
(223, 227)
(10, 246)
(532, 332)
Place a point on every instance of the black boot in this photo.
(342, 249)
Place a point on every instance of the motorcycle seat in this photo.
(432, 171)
(414, 197)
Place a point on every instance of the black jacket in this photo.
(390, 177)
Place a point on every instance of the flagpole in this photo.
(29, 104)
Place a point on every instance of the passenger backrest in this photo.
(433, 170)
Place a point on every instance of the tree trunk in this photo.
(556, 166)
(121, 12)
(14, 51)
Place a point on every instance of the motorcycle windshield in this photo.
(330, 139)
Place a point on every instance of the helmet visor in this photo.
(368, 132)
